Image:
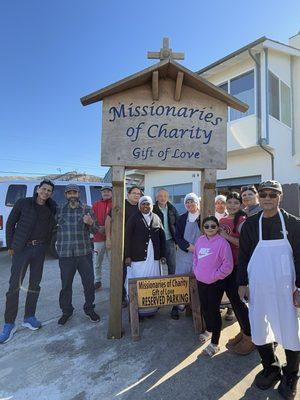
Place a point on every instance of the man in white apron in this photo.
(269, 276)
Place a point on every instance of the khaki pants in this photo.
(99, 252)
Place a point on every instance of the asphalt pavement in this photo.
(78, 362)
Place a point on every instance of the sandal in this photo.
(204, 337)
(211, 350)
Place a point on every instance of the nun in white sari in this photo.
(145, 244)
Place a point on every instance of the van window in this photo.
(14, 193)
(59, 194)
(95, 193)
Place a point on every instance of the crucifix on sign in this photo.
(165, 52)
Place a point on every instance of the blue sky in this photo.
(54, 52)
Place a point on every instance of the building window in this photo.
(273, 96)
(224, 86)
(242, 88)
(176, 194)
(279, 100)
(285, 104)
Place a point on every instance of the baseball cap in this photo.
(106, 187)
(72, 186)
(272, 185)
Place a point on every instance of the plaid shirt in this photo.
(73, 235)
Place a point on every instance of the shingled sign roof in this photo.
(166, 69)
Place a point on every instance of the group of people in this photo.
(249, 250)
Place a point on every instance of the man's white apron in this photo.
(271, 272)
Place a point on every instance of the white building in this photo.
(264, 142)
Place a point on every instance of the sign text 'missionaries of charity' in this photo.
(163, 291)
(140, 132)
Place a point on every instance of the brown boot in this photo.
(232, 342)
(244, 346)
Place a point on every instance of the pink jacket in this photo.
(212, 259)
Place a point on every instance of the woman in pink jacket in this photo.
(212, 264)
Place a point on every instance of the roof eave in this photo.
(231, 55)
(281, 47)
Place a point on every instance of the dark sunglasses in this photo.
(145, 204)
(264, 195)
(213, 226)
(250, 187)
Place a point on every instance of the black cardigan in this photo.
(180, 227)
(138, 233)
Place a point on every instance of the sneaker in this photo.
(32, 323)
(288, 385)
(204, 337)
(175, 313)
(244, 346)
(211, 350)
(98, 285)
(229, 315)
(7, 333)
(64, 318)
(232, 342)
(93, 316)
(267, 378)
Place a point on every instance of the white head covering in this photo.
(193, 197)
(145, 199)
(192, 216)
(220, 197)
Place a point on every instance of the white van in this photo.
(11, 191)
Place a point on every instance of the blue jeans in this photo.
(68, 267)
(33, 256)
(171, 256)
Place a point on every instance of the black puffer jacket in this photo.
(21, 222)
(172, 217)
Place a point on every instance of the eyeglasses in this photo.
(213, 226)
(145, 204)
(250, 187)
(264, 195)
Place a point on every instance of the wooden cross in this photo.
(165, 52)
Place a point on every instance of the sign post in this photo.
(165, 117)
(116, 276)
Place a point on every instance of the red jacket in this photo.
(101, 209)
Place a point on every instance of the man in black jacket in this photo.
(28, 231)
(269, 276)
(168, 215)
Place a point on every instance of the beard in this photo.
(73, 201)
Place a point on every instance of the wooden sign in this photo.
(163, 117)
(140, 132)
(163, 291)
